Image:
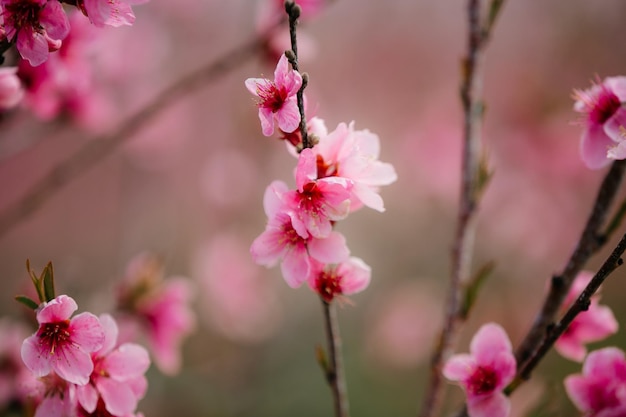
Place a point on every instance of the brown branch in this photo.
(590, 241)
(471, 187)
(97, 149)
(334, 371)
(582, 304)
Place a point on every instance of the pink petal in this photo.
(580, 391)
(58, 309)
(268, 248)
(72, 364)
(35, 356)
(618, 151)
(118, 398)
(331, 250)
(594, 146)
(571, 348)
(266, 116)
(615, 127)
(618, 86)
(459, 367)
(121, 14)
(604, 362)
(355, 274)
(368, 197)
(296, 266)
(51, 407)
(53, 19)
(488, 342)
(288, 116)
(87, 397)
(282, 68)
(494, 405)
(272, 199)
(126, 362)
(87, 332)
(109, 326)
(306, 170)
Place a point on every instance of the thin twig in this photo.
(478, 36)
(334, 372)
(590, 241)
(293, 11)
(94, 151)
(582, 304)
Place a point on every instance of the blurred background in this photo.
(189, 188)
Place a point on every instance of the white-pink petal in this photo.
(126, 362)
(60, 308)
(118, 398)
(488, 342)
(330, 250)
(296, 266)
(87, 332)
(87, 396)
(494, 405)
(356, 275)
(72, 364)
(35, 356)
(459, 367)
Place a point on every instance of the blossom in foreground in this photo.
(11, 91)
(63, 345)
(348, 277)
(353, 154)
(277, 99)
(600, 391)
(592, 325)
(161, 306)
(281, 242)
(37, 27)
(604, 122)
(118, 376)
(484, 372)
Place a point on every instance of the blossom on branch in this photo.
(592, 325)
(62, 345)
(484, 372)
(600, 391)
(603, 137)
(345, 278)
(277, 99)
(37, 27)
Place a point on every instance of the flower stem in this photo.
(334, 372)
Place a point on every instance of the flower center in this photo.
(325, 170)
(328, 285)
(483, 381)
(605, 106)
(54, 334)
(23, 13)
(271, 96)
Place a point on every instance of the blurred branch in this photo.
(334, 369)
(471, 188)
(590, 241)
(97, 149)
(582, 304)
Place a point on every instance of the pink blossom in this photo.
(277, 99)
(118, 376)
(162, 306)
(345, 278)
(58, 397)
(317, 202)
(37, 26)
(605, 115)
(281, 242)
(592, 325)
(114, 13)
(600, 391)
(62, 344)
(354, 155)
(484, 372)
(12, 371)
(11, 91)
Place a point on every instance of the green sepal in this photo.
(47, 278)
(474, 285)
(27, 302)
(36, 282)
(322, 359)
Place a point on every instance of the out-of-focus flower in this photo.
(345, 278)
(109, 12)
(600, 391)
(281, 241)
(57, 395)
(118, 376)
(161, 306)
(604, 123)
(12, 369)
(62, 344)
(11, 90)
(592, 325)
(37, 26)
(484, 372)
(277, 99)
(238, 301)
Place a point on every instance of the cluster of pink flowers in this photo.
(338, 175)
(79, 365)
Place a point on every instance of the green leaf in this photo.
(47, 276)
(26, 301)
(36, 282)
(474, 285)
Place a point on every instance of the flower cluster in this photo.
(79, 366)
(39, 27)
(338, 175)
